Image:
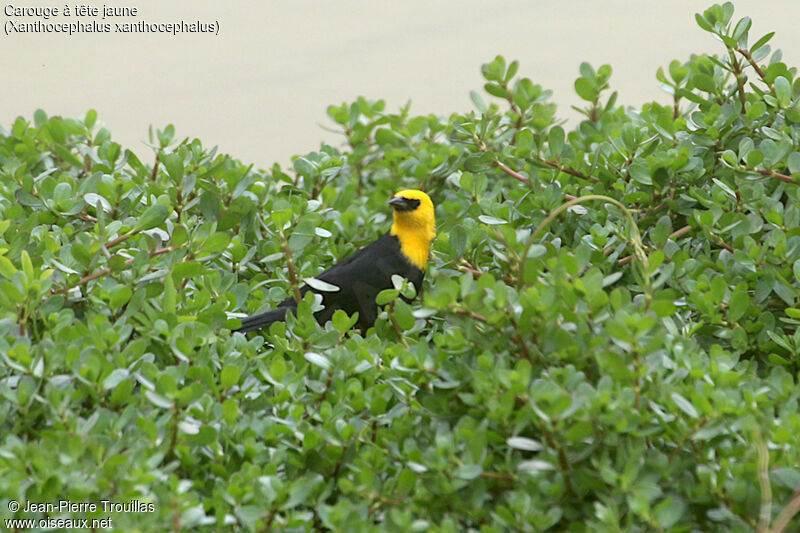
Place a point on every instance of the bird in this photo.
(403, 250)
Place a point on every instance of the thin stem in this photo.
(466, 266)
(292, 272)
(737, 72)
(697, 427)
(396, 326)
(86, 217)
(523, 179)
(676, 110)
(121, 238)
(562, 460)
(786, 514)
(765, 512)
(566, 170)
(771, 174)
(155, 167)
(516, 337)
(471, 314)
(513, 174)
(103, 271)
(749, 58)
(638, 250)
(517, 176)
(674, 235)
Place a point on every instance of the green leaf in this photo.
(322, 286)
(7, 268)
(153, 216)
(322, 232)
(762, 41)
(480, 162)
(341, 322)
(524, 143)
(586, 70)
(684, 405)
(793, 162)
(495, 90)
(556, 141)
(115, 378)
(468, 472)
(170, 296)
(90, 119)
(97, 201)
(783, 91)
(174, 165)
(62, 195)
(535, 466)
(678, 72)
(386, 136)
(512, 71)
(386, 296)
(669, 512)
(491, 221)
(579, 431)
(586, 89)
(704, 82)
(701, 21)
(477, 99)
(317, 360)
(120, 297)
(403, 314)
(229, 376)
(304, 167)
(25, 389)
(739, 303)
(27, 199)
(27, 265)
(187, 269)
(741, 28)
(660, 233)
(158, 400)
(278, 368)
(230, 410)
(121, 393)
(524, 443)
(754, 158)
(537, 250)
(458, 241)
(216, 243)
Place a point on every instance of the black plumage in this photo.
(402, 251)
(360, 277)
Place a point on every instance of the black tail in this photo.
(263, 320)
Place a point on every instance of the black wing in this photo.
(360, 277)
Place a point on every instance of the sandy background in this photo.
(260, 88)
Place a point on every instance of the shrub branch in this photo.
(567, 170)
(771, 174)
(103, 271)
(746, 54)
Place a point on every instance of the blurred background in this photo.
(259, 90)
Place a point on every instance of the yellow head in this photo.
(414, 225)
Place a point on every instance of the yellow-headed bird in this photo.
(403, 250)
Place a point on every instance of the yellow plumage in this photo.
(415, 229)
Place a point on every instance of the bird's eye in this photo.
(401, 203)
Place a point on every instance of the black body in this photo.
(360, 277)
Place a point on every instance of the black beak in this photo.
(401, 203)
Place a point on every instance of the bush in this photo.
(607, 339)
